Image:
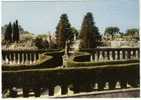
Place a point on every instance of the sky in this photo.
(40, 17)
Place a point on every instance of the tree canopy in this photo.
(132, 31)
(111, 30)
(40, 43)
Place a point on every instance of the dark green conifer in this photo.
(63, 31)
(88, 32)
(8, 33)
(16, 36)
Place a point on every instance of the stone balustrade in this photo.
(118, 76)
(19, 56)
(22, 56)
(105, 54)
(98, 54)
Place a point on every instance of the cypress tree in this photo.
(13, 28)
(88, 32)
(63, 31)
(16, 31)
(8, 33)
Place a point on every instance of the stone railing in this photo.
(78, 79)
(104, 54)
(22, 56)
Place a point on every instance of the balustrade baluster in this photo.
(100, 55)
(131, 54)
(23, 59)
(91, 58)
(96, 59)
(35, 58)
(26, 58)
(110, 54)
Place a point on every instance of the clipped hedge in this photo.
(82, 57)
(53, 76)
(71, 63)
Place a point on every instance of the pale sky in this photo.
(42, 17)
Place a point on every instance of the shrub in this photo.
(72, 63)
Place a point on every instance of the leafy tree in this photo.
(40, 43)
(74, 32)
(88, 32)
(132, 32)
(111, 30)
(63, 31)
(3, 29)
(8, 33)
